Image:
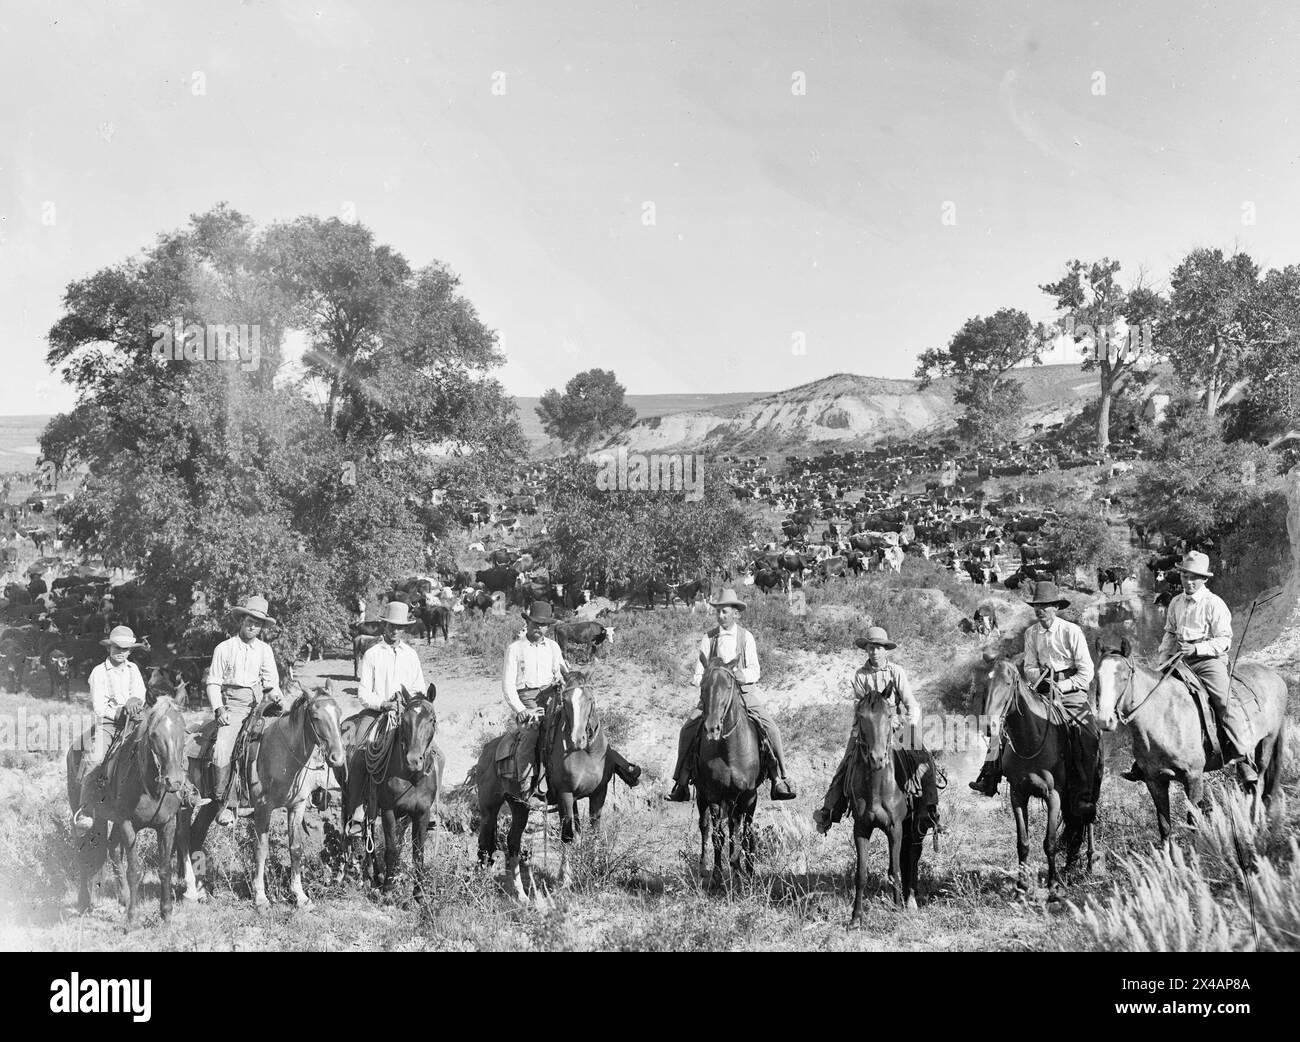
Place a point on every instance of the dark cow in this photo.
(577, 634)
(499, 579)
(58, 668)
(480, 599)
(767, 580)
(434, 617)
(1113, 576)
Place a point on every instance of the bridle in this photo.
(732, 686)
(1120, 715)
(1019, 687)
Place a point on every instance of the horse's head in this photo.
(578, 707)
(876, 714)
(1115, 673)
(718, 691)
(1005, 684)
(162, 750)
(319, 714)
(418, 725)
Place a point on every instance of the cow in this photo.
(575, 634)
(58, 667)
(434, 617)
(499, 578)
(1113, 576)
(480, 599)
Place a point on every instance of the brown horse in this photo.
(283, 775)
(1166, 729)
(146, 789)
(1034, 764)
(877, 802)
(728, 767)
(579, 766)
(404, 771)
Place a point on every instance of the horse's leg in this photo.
(860, 839)
(166, 834)
(895, 836)
(1049, 844)
(706, 824)
(1158, 786)
(419, 829)
(1197, 803)
(184, 865)
(719, 841)
(1020, 808)
(514, 839)
(595, 805)
(568, 813)
(392, 847)
(294, 821)
(92, 854)
(127, 834)
(262, 830)
(747, 835)
(487, 829)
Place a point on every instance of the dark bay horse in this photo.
(877, 802)
(727, 770)
(1034, 764)
(145, 790)
(579, 766)
(1166, 729)
(404, 770)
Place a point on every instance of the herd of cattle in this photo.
(839, 514)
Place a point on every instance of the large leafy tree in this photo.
(215, 478)
(1114, 326)
(980, 357)
(1212, 329)
(592, 405)
(1271, 405)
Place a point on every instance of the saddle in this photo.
(198, 746)
(1212, 735)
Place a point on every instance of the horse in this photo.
(728, 768)
(1034, 764)
(579, 766)
(281, 776)
(145, 790)
(1166, 729)
(877, 802)
(403, 767)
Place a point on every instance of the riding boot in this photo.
(782, 789)
(986, 784)
(220, 785)
(1134, 773)
(681, 792)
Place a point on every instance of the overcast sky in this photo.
(521, 143)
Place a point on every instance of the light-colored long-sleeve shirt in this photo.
(111, 686)
(385, 670)
(530, 665)
(240, 663)
(1202, 620)
(867, 680)
(1057, 649)
(749, 672)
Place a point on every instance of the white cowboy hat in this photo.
(121, 637)
(254, 606)
(1195, 563)
(728, 600)
(398, 613)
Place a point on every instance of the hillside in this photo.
(848, 411)
(647, 406)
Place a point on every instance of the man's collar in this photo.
(1196, 595)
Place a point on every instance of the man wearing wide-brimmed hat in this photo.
(878, 676)
(1198, 627)
(1056, 659)
(242, 672)
(115, 685)
(534, 666)
(730, 641)
(390, 664)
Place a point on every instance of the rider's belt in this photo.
(528, 696)
(1062, 674)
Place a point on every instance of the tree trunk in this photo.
(1103, 421)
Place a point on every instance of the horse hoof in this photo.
(306, 904)
(263, 904)
(912, 906)
(195, 898)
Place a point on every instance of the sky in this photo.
(720, 196)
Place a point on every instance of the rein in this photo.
(731, 704)
(1013, 704)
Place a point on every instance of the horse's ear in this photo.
(432, 692)
(1125, 648)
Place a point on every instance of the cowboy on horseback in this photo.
(389, 665)
(882, 677)
(534, 667)
(729, 641)
(1198, 630)
(1056, 661)
(243, 668)
(117, 694)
